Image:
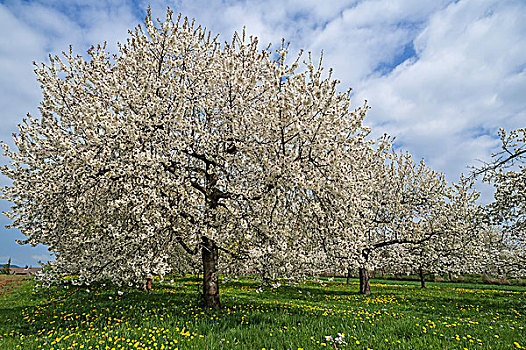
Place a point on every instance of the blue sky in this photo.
(441, 76)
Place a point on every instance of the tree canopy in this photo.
(175, 140)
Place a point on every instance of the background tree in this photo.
(507, 172)
(459, 248)
(176, 140)
(405, 210)
(6, 269)
(393, 201)
(505, 256)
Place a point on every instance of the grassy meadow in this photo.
(329, 315)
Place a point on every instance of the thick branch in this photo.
(186, 248)
(201, 157)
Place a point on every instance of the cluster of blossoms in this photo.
(339, 340)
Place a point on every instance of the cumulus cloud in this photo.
(371, 35)
(465, 81)
(41, 257)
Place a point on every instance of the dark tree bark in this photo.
(365, 282)
(210, 256)
(422, 276)
(265, 274)
(348, 275)
(147, 286)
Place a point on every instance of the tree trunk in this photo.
(348, 275)
(210, 255)
(147, 286)
(265, 276)
(422, 277)
(365, 283)
(265, 280)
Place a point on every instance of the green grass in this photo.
(398, 315)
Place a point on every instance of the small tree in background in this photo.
(392, 202)
(459, 248)
(6, 269)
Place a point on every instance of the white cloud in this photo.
(17, 85)
(370, 34)
(466, 81)
(42, 257)
(295, 20)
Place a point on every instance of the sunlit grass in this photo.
(310, 316)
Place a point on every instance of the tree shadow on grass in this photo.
(10, 320)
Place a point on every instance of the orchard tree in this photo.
(505, 256)
(405, 210)
(176, 140)
(509, 208)
(460, 247)
(395, 202)
(507, 172)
